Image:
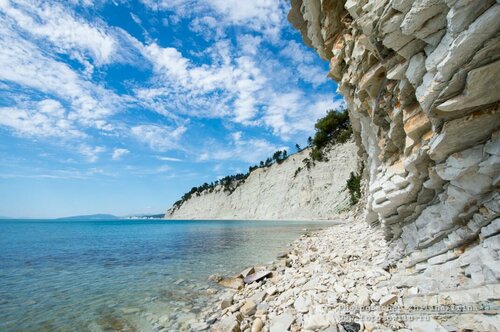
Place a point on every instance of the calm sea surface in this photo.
(124, 275)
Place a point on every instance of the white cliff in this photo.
(276, 192)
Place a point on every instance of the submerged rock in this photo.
(234, 283)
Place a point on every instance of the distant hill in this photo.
(99, 216)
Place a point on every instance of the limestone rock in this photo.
(234, 283)
(257, 325)
(249, 308)
(315, 322)
(281, 322)
(257, 276)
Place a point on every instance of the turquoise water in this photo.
(128, 275)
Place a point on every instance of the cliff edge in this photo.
(279, 191)
(420, 79)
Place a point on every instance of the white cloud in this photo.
(25, 64)
(225, 88)
(91, 153)
(247, 150)
(303, 59)
(294, 112)
(119, 153)
(63, 29)
(159, 138)
(169, 159)
(263, 16)
(46, 118)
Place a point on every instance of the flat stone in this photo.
(281, 322)
(481, 89)
(315, 322)
(271, 290)
(388, 299)
(245, 272)
(462, 133)
(257, 276)
(300, 305)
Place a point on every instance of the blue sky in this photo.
(122, 106)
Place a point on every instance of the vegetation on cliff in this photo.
(331, 129)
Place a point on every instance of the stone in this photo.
(234, 283)
(388, 299)
(215, 277)
(473, 183)
(463, 133)
(281, 322)
(315, 322)
(257, 276)
(493, 145)
(227, 324)
(398, 71)
(477, 91)
(226, 301)
(420, 12)
(259, 296)
(300, 305)
(271, 290)
(350, 326)
(249, 308)
(257, 325)
(416, 69)
(245, 273)
(199, 326)
(363, 297)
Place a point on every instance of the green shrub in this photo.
(334, 127)
(354, 187)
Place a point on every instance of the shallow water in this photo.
(127, 274)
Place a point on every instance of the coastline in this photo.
(307, 283)
(334, 279)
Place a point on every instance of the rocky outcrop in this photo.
(420, 81)
(280, 191)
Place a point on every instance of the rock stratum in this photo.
(276, 192)
(420, 79)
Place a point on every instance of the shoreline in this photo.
(258, 306)
(336, 220)
(319, 284)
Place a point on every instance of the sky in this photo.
(121, 106)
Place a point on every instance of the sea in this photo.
(126, 275)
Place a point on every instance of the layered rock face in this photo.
(420, 78)
(277, 192)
